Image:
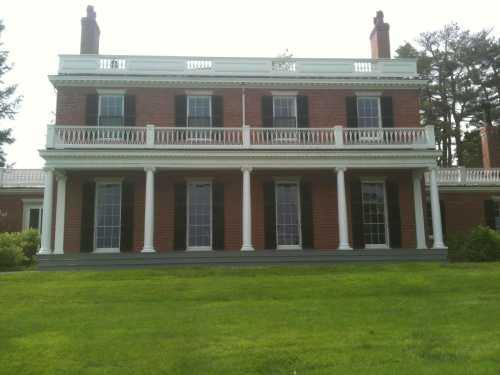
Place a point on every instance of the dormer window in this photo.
(111, 110)
(284, 111)
(369, 112)
(199, 111)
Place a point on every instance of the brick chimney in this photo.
(490, 147)
(90, 33)
(379, 37)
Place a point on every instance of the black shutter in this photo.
(269, 216)
(267, 111)
(387, 112)
(218, 216)
(489, 214)
(442, 207)
(129, 110)
(302, 111)
(180, 216)
(217, 111)
(181, 110)
(127, 217)
(87, 220)
(306, 215)
(91, 110)
(358, 241)
(392, 192)
(351, 108)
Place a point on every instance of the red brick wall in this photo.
(11, 205)
(157, 106)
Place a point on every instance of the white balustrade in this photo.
(10, 178)
(385, 136)
(460, 176)
(91, 136)
(193, 137)
(292, 137)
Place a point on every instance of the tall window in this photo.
(287, 215)
(108, 216)
(285, 111)
(32, 216)
(374, 214)
(199, 218)
(199, 111)
(368, 112)
(111, 109)
(497, 216)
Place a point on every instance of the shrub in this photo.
(480, 245)
(29, 241)
(11, 254)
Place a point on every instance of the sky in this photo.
(37, 31)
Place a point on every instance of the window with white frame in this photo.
(284, 111)
(497, 215)
(32, 215)
(199, 111)
(374, 214)
(369, 112)
(108, 197)
(111, 110)
(199, 215)
(287, 215)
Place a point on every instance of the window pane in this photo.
(287, 215)
(34, 220)
(374, 225)
(284, 111)
(199, 215)
(111, 110)
(199, 111)
(368, 116)
(108, 216)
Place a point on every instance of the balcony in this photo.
(21, 178)
(152, 137)
(461, 176)
(235, 66)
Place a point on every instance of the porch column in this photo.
(419, 211)
(342, 211)
(60, 213)
(436, 210)
(247, 211)
(48, 195)
(149, 218)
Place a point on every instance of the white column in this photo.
(149, 213)
(247, 210)
(419, 211)
(342, 211)
(48, 196)
(436, 210)
(60, 213)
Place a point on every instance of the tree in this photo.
(9, 102)
(472, 157)
(462, 71)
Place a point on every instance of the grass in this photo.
(383, 319)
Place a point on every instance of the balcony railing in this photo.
(461, 176)
(150, 137)
(21, 178)
(235, 66)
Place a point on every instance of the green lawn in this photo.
(382, 319)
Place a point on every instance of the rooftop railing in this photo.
(461, 176)
(235, 66)
(14, 178)
(152, 137)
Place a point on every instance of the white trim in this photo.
(288, 181)
(28, 205)
(199, 92)
(375, 180)
(32, 200)
(188, 97)
(111, 92)
(368, 93)
(284, 93)
(198, 181)
(295, 107)
(108, 180)
(103, 181)
(378, 108)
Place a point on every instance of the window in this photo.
(199, 217)
(32, 214)
(369, 112)
(374, 214)
(497, 216)
(108, 216)
(111, 109)
(285, 111)
(287, 215)
(199, 111)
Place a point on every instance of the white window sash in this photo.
(299, 222)
(188, 216)
(210, 114)
(106, 249)
(100, 105)
(386, 216)
(293, 99)
(379, 111)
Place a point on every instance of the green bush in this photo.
(18, 248)
(482, 244)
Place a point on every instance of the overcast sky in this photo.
(37, 31)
